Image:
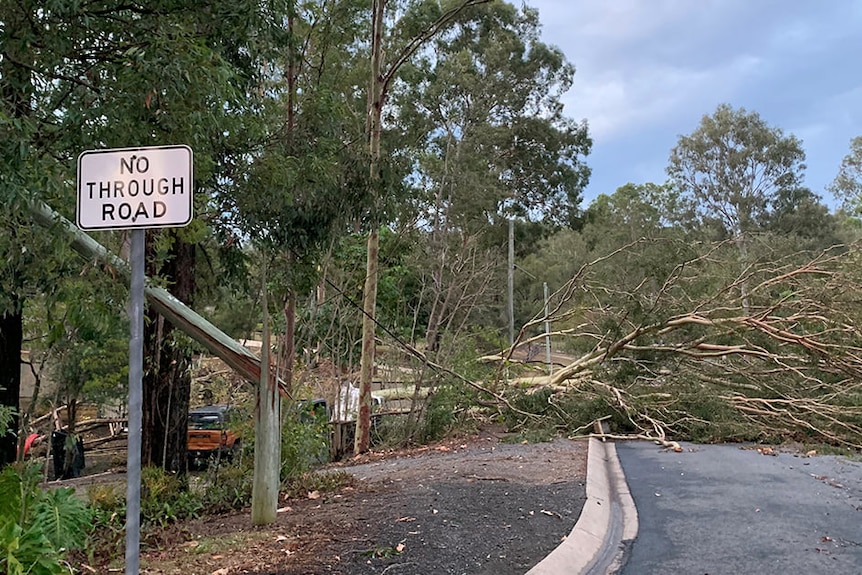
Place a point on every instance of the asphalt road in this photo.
(720, 509)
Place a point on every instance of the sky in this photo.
(647, 71)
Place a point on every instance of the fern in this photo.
(27, 552)
(37, 526)
(10, 494)
(63, 518)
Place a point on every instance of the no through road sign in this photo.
(135, 188)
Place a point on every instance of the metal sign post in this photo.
(136, 400)
(136, 189)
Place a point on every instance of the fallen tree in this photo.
(685, 352)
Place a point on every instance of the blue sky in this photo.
(648, 70)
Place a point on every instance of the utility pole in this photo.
(547, 332)
(511, 281)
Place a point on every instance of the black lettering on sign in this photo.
(141, 211)
(127, 211)
(134, 164)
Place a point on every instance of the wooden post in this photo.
(267, 432)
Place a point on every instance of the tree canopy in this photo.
(735, 165)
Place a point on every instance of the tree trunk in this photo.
(167, 379)
(369, 300)
(374, 126)
(362, 440)
(11, 341)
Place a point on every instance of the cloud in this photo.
(648, 70)
(616, 102)
(636, 61)
(614, 25)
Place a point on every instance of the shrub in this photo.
(108, 506)
(304, 442)
(165, 498)
(227, 487)
(441, 414)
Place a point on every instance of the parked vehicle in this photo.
(210, 433)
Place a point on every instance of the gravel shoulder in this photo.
(469, 505)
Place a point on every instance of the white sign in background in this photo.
(135, 188)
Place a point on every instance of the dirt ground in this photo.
(469, 505)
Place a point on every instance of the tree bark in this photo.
(167, 379)
(289, 357)
(362, 439)
(369, 299)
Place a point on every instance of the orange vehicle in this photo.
(210, 433)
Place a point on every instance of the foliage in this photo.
(484, 96)
(166, 498)
(800, 219)
(89, 339)
(333, 322)
(79, 76)
(304, 442)
(37, 526)
(227, 487)
(107, 503)
(734, 164)
(441, 413)
(7, 416)
(444, 412)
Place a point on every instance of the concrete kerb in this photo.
(607, 525)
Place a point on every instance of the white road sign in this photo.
(129, 188)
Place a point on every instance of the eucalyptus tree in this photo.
(410, 30)
(32, 261)
(305, 184)
(736, 166)
(801, 221)
(634, 211)
(483, 104)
